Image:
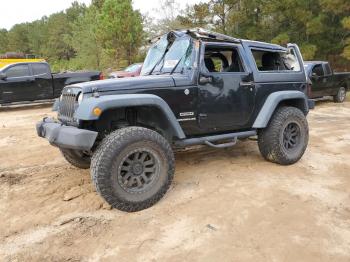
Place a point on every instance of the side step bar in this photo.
(228, 144)
(208, 140)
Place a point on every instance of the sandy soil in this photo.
(224, 205)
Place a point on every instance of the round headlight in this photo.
(80, 97)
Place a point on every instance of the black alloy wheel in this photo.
(291, 136)
(138, 170)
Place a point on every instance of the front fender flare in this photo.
(85, 109)
(272, 102)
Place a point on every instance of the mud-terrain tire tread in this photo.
(109, 147)
(75, 160)
(269, 138)
(337, 98)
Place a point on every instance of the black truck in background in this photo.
(325, 82)
(33, 81)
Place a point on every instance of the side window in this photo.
(318, 70)
(275, 61)
(222, 59)
(18, 71)
(40, 69)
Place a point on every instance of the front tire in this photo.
(76, 158)
(340, 96)
(285, 139)
(133, 168)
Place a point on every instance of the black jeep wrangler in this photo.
(197, 87)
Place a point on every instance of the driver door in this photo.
(226, 89)
(18, 84)
(319, 81)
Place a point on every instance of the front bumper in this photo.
(66, 136)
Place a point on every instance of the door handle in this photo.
(246, 84)
(205, 79)
(7, 93)
(203, 116)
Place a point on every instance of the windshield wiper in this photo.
(150, 72)
(173, 70)
(163, 56)
(177, 64)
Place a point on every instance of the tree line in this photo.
(112, 34)
(106, 34)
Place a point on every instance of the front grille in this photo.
(67, 105)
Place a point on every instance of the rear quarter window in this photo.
(40, 69)
(272, 61)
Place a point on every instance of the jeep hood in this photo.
(132, 83)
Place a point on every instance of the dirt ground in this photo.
(224, 205)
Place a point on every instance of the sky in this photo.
(18, 11)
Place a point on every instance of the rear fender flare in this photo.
(272, 102)
(85, 109)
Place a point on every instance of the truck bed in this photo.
(60, 80)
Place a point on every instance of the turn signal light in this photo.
(97, 111)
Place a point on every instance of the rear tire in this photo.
(340, 96)
(133, 168)
(285, 139)
(76, 158)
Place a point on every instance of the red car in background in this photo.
(131, 71)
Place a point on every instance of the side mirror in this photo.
(3, 76)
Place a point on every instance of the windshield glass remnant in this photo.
(169, 56)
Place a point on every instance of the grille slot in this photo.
(67, 106)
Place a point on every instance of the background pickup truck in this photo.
(31, 81)
(325, 82)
